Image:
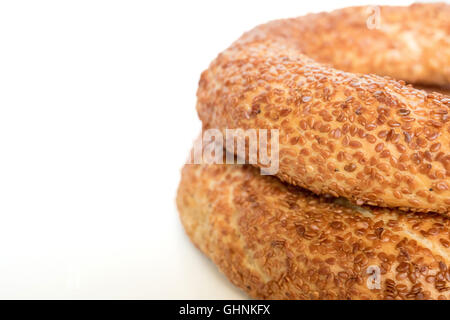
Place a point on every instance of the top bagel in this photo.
(371, 139)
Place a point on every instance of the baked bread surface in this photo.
(276, 241)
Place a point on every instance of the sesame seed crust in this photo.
(370, 139)
(277, 241)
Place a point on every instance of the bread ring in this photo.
(277, 241)
(367, 138)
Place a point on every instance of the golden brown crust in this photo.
(445, 90)
(363, 137)
(277, 241)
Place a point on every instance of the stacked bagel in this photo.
(360, 205)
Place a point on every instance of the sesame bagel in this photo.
(277, 241)
(370, 139)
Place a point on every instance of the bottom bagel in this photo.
(276, 241)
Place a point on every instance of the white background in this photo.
(97, 115)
